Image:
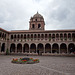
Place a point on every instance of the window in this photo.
(39, 26)
(33, 26)
(36, 19)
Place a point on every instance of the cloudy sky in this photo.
(58, 14)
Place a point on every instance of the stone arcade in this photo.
(37, 39)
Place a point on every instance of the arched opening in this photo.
(69, 36)
(26, 48)
(38, 35)
(25, 36)
(21, 36)
(11, 36)
(3, 47)
(65, 36)
(12, 48)
(53, 37)
(28, 36)
(45, 35)
(3, 36)
(55, 48)
(33, 26)
(33, 48)
(39, 25)
(18, 36)
(42, 36)
(47, 48)
(15, 36)
(49, 37)
(40, 47)
(61, 37)
(73, 36)
(35, 36)
(71, 48)
(19, 47)
(32, 36)
(63, 48)
(57, 36)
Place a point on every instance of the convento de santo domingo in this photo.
(37, 40)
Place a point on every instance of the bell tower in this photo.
(37, 22)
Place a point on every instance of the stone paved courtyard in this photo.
(48, 66)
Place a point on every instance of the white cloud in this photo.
(58, 14)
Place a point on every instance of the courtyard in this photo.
(49, 65)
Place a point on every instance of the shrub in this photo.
(7, 52)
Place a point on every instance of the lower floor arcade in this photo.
(39, 48)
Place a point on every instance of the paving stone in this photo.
(47, 66)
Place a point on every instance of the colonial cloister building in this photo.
(37, 39)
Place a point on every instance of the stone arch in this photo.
(55, 48)
(28, 36)
(35, 36)
(21, 36)
(3, 47)
(32, 48)
(57, 35)
(42, 36)
(18, 36)
(63, 48)
(12, 37)
(40, 47)
(69, 36)
(19, 47)
(26, 47)
(65, 36)
(53, 36)
(46, 35)
(38, 35)
(71, 48)
(50, 37)
(15, 36)
(3, 35)
(47, 48)
(24, 36)
(32, 36)
(73, 36)
(12, 47)
(61, 36)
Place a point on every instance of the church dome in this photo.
(37, 15)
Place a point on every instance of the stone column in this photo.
(29, 48)
(51, 49)
(59, 49)
(0, 47)
(71, 36)
(15, 49)
(22, 48)
(6, 47)
(67, 49)
(67, 37)
(55, 37)
(44, 48)
(51, 37)
(36, 50)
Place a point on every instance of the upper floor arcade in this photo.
(62, 35)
